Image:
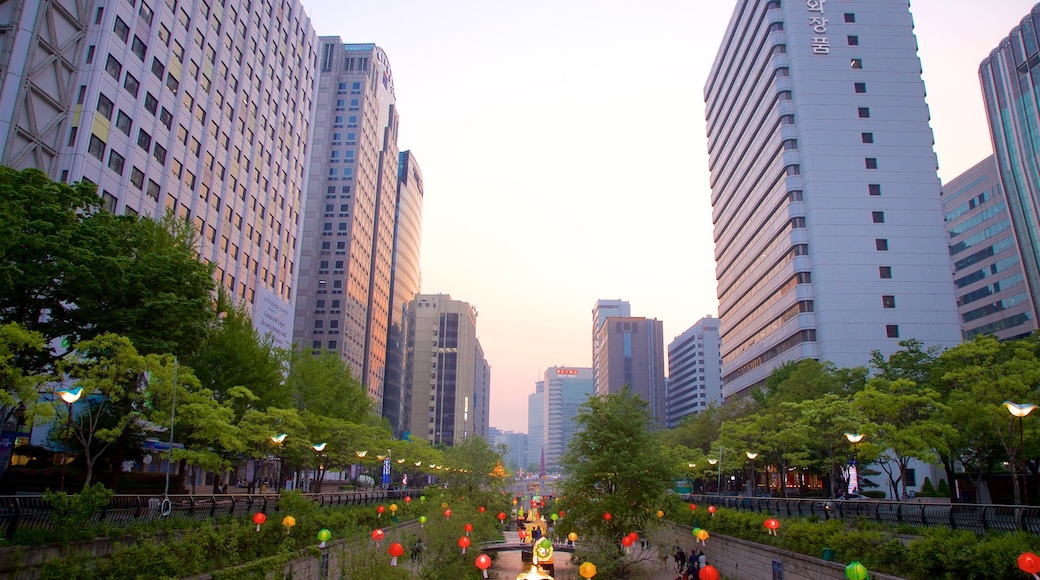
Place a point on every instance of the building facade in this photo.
(829, 231)
(405, 281)
(1010, 90)
(694, 371)
(343, 303)
(632, 355)
(200, 109)
(535, 426)
(600, 312)
(516, 448)
(441, 368)
(566, 389)
(992, 294)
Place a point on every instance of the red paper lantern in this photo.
(501, 516)
(483, 562)
(380, 510)
(708, 572)
(1029, 563)
(407, 499)
(772, 524)
(711, 510)
(378, 535)
(396, 551)
(627, 541)
(522, 533)
(481, 509)
(258, 519)
(693, 507)
(447, 513)
(607, 516)
(561, 513)
(467, 528)
(464, 543)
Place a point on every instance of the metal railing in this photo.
(33, 512)
(978, 518)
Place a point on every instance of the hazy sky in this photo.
(564, 158)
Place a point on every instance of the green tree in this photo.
(615, 465)
(324, 384)
(18, 388)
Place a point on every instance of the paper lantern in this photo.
(587, 570)
(711, 510)
(856, 571)
(395, 550)
(554, 517)
(447, 513)
(693, 507)
(288, 522)
(572, 537)
(407, 499)
(378, 535)
(481, 510)
(422, 521)
(772, 524)
(259, 518)
(627, 541)
(501, 517)
(634, 536)
(696, 531)
(467, 528)
(483, 563)
(607, 516)
(444, 505)
(702, 536)
(393, 508)
(323, 536)
(1029, 563)
(709, 572)
(422, 498)
(660, 513)
(561, 513)
(522, 533)
(464, 543)
(379, 511)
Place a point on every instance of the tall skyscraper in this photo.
(992, 294)
(566, 388)
(694, 371)
(1010, 89)
(829, 229)
(600, 312)
(404, 285)
(631, 353)
(535, 425)
(516, 447)
(201, 109)
(445, 370)
(343, 303)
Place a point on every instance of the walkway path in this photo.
(508, 564)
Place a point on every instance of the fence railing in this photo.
(978, 518)
(32, 511)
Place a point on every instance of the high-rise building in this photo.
(829, 231)
(405, 282)
(200, 109)
(516, 447)
(694, 371)
(535, 425)
(992, 294)
(631, 353)
(600, 312)
(566, 389)
(1010, 89)
(343, 302)
(444, 370)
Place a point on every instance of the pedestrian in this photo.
(680, 558)
(702, 560)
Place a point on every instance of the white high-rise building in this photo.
(694, 371)
(829, 231)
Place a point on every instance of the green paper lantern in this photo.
(422, 498)
(324, 535)
(856, 571)
(695, 530)
(555, 517)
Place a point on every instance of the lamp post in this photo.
(692, 466)
(751, 484)
(854, 438)
(718, 486)
(276, 440)
(319, 450)
(1020, 410)
(70, 396)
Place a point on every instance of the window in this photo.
(131, 84)
(171, 82)
(788, 144)
(885, 272)
(138, 48)
(157, 68)
(856, 63)
(160, 154)
(867, 137)
(104, 106)
(864, 112)
(144, 140)
(874, 188)
(153, 190)
(881, 244)
(116, 161)
(892, 330)
(164, 34)
(90, 53)
(121, 29)
(150, 103)
(123, 123)
(878, 217)
(137, 177)
(166, 117)
(860, 87)
(96, 147)
(146, 13)
(870, 162)
(853, 40)
(850, 17)
(113, 67)
(888, 301)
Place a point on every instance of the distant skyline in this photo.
(564, 159)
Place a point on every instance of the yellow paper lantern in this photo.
(660, 513)
(587, 570)
(572, 537)
(288, 521)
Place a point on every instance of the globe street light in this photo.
(1020, 410)
(277, 440)
(319, 450)
(70, 396)
(751, 484)
(854, 438)
(718, 487)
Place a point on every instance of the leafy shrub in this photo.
(943, 489)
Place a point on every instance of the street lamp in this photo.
(713, 463)
(1020, 410)
(854, 438)
(276, 440)
(70, 396)
(692, 466)
(751, 484)
(319, 449)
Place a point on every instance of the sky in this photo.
(564, 158)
